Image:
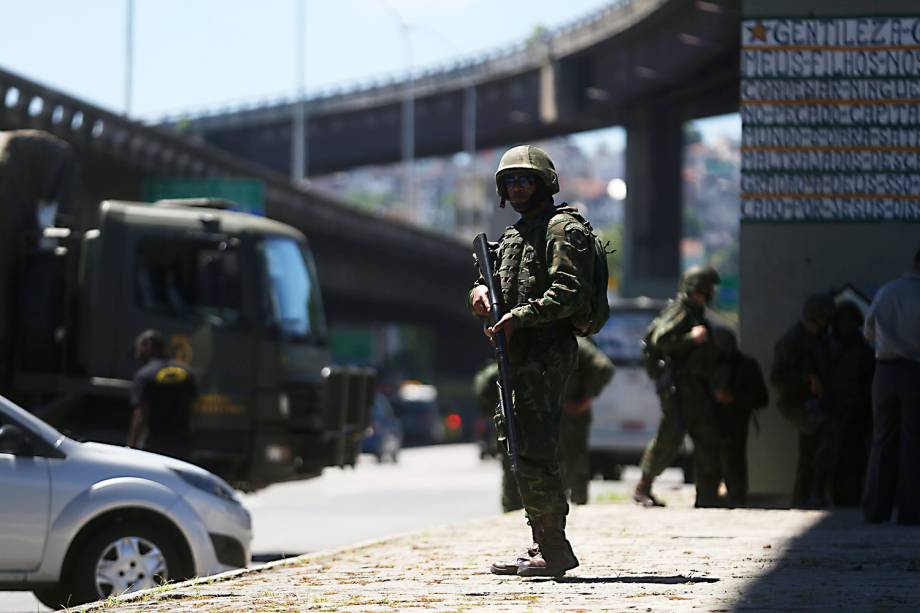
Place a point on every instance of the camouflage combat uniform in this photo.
(686, 394)
(593, 372)
(740, 375)
(544, 273)
(802, 354)
(544, 267)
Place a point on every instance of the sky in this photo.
(206, 54)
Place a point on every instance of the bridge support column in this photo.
(653, 213)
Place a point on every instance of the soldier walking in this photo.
(592, 374)
(544, 267)
(680, 357)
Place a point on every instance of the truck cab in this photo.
(237, 299)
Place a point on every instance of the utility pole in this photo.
(408, 121)
(129, 56)
(407, 144)
(299, 133)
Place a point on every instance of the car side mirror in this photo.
(15, 441)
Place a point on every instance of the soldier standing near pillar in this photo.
(545, 269)
(800, 372)
(742, 391)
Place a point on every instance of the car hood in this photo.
(109, 461)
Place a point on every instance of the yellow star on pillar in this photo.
(759, 31)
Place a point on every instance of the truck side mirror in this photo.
(15, 441)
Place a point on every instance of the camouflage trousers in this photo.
(539, 386)
(574, 468)
(687, 411)
(573, 455)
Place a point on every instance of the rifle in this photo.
(483, 257)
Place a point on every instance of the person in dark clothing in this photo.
(162, 395)
(801, 366)
(850, 392)
(893, 478)
(740, 390)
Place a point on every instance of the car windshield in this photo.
(291, 301)
(13, 413)
(621, 336)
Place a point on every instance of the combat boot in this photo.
(555, 555)
(643, 494)
(510, 567)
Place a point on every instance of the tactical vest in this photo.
(522, 269)
(522, 266)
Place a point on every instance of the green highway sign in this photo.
(248, 194)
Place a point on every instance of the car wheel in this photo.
(122, 558)
(55, 597)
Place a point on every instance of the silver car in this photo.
(84, 521)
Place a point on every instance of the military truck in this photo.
(235, 296)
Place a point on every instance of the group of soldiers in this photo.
(823, 368)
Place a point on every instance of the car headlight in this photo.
(208, 484)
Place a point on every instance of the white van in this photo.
(626, 414)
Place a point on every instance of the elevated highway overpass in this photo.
(645, 64)
(372, 270)
(648, 65)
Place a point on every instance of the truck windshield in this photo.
(291, 302)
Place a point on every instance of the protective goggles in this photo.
(521, 180)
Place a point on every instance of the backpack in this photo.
(652, 358)
(591, 321)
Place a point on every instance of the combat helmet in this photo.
(699, 279)
(528, 157)
(819, 308)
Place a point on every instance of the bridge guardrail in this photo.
(565, 39)
(25, 104)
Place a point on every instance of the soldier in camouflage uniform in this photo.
(593, 373)
(800, 372)
(742, 391)
(544, 269)
(681, 336)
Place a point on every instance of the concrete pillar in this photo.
(653, 212)
(825, 201)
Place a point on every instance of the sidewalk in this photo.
(632, 559)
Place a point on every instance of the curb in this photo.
(102, 605)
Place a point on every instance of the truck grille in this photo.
(307, 404)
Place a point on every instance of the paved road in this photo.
(429, 487)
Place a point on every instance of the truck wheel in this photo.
(121, 558)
